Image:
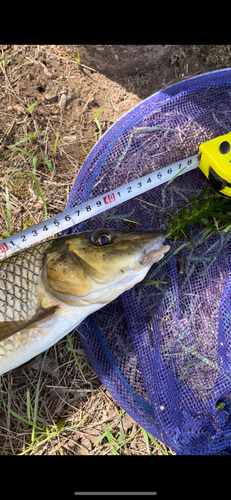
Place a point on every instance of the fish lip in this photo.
(153, 250)
(155, 244)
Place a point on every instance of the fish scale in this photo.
(18, 276)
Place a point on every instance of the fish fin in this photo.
(8, 328)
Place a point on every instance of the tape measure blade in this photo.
(93, 207)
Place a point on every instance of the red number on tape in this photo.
(3, 248)
(109, 198)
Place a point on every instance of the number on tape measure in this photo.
(109, 198)
(99, 204)
(3, 248)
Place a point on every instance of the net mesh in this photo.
(163, 352)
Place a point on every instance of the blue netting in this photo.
(164, 352)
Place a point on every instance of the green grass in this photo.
(8, 212)
(148, 437)
(40, 434)
(22, 151)
(4, 63)
(31, 107)
(31, 421)
(31, 137)
(47, 161)
(138, 130)
(77, 59)
(95, 119)
(73, 352)
(28, 137)
(212, 210)
(121, 441)
(52, 148)
(39, 192)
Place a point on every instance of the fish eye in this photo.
(101, 239)
(104, 239)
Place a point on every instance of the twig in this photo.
(8, 131)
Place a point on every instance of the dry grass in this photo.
(55, 406)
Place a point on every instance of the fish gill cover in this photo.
(163, 349)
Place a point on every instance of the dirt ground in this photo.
(50, 101)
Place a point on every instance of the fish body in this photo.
(50, 288)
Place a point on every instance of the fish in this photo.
(48, 289)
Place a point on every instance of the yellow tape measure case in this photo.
(215, 162)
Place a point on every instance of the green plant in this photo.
(77, 59)
(73, 352)
(29, 137)
(120, 442)
(31, 107)
(39, 434)
(96, 119)
(39, 192)
(211, 209)
(4, 63)
(15, 148)
(115, 445)
(148, 437)
(8, 213)
(52, 148)
(48, 163)
(37, 187)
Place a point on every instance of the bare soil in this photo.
(73, 408)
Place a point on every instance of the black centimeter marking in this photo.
(106, 199)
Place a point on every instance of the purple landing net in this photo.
(164, 351)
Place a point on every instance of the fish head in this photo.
(97, 266)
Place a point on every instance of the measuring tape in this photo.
(214, 159)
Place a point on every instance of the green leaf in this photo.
(4, 63)
(28, 404)
(21, 151)
(8, 212)
(121, 436)
(25, 225)
(28, 422)
(163, 451)
(60, 424)
(31, 107)
(48, 164)
(145, 434)
(55, 144)
(34, 165)
(97, 123)
(37, 398)
(153, 282)
(39, 192)
(74, 355)
(27, 138)
(227, 228)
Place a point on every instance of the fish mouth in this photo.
(154, 251)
